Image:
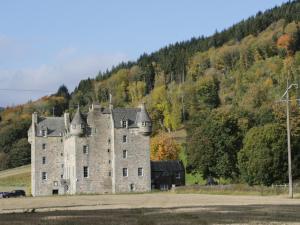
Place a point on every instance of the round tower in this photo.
(144, 121)
(77, 124)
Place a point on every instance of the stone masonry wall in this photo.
(138, 148)
(53, 165)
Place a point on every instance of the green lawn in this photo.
(17, 178)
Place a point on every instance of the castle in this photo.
(105, 151)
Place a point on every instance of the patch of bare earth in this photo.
(162, 208)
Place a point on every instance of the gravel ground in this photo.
(130, 201)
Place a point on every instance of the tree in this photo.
(3, 160)
(263, 159)
(214, 139)
(164, 147)
(63, 92)
(20, 153)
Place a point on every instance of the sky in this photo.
(44, 44)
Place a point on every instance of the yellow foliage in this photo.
(164, 147)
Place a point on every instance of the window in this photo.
(61, 176)
(43, 146)
(108, 150)
(143, 124)
(131, 187)
(61, 154)
(124, 123)
(124, 154)
(44, 176)
(124, 138)
(140, 172)
(108, 140)
(55, 183)
(44, 133)
(44, 160)
(85, 149)
(62, 165)
(125, 172)
(178, 175)
(109, 173)
(109, 161)
(85, 171)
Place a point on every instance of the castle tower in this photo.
(77, 124)
(144, 121)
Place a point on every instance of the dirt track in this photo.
(130, 201)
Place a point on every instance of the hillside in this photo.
(220, 86)
(16, 178)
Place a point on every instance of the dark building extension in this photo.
(164, 174)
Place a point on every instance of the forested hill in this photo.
(218, 88)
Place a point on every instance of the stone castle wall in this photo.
(53, 166)
(138, 155)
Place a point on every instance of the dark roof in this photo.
(129, 114)
(55, 126)
(167, 165)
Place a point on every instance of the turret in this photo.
(77, 124)
(67, 121)
(144, 121)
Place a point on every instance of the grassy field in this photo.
(237, 189)
(151, 208)
(17, 178)
(254, 214)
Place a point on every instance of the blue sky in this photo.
(44, 44)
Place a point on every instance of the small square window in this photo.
(44, 146)
(124, 123)
(85, 149)
(85, 171)
(125, 172)
(44, 160)
(44, 133)
(44, 176)
(124, 138)
(140, 172)
(124, 154)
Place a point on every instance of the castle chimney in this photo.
(67, 121)
(110, 102)
(34, 118)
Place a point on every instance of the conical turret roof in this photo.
(143, 115)
(77, 119)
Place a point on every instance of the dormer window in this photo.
(124, 123)
(44, 133)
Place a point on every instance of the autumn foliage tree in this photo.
(164, 147)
